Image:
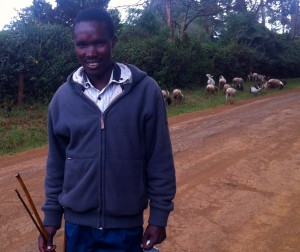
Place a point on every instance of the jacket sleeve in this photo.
(161, 181)
(53, 211)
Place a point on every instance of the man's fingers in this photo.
(51, 248)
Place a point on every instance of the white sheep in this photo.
(222, 81)
(177, 96)
(258, 77)
(255, 90)
(238, 83)
(211, 88)
(249, 77)
(210, 79)
(225, 87)
(264, 86)
(230, 94)
(275, 83)
(166, 96)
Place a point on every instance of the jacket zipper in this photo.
(102, 152)
(109, 106)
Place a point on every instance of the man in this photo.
(109, 152)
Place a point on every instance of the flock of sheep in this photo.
(260, 82)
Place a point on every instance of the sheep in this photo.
(177, 96)
(275, 83)
(211, 88)
(210, 79)
(249, 77)
(230, 94)
(166, 96)
(264, 86)
(255, 90)
(222, 81)
(225, 87)
(258, 77)
(238, 83)
(254, 76)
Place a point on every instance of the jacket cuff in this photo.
(52, 218)
(158, 217)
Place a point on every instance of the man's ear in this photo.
(114, 41)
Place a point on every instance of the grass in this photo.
(26, 128)
(197, 99)
(22, 129)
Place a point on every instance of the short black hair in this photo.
(95, 14)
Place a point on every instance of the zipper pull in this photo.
(102, 122)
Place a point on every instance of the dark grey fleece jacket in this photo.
(104, 168)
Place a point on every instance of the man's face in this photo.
(93, 48)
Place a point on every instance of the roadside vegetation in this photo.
(196, 99)
(175, 42)
(24, 128)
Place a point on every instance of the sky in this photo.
(8, 12)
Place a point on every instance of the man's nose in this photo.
(91, 51)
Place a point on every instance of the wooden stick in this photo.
(28, 211)
(18, 176)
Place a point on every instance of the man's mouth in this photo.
(92, 65)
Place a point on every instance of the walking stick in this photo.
(29, 213)
(39, 225)
(18, 176)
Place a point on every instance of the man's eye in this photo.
(99, 43)
(80, 45)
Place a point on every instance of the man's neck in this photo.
(102, 81)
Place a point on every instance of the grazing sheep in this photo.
(275, 83)
(254, 90)
(264, 86)
(177, 96)
(166, 96)
(230, 94)
(238, 83)
(210, 79)
(222, 81)
(211, 88)
(225, 87)
(258, 77)
(249, 77)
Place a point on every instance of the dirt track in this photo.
(238, 181)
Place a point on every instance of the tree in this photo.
(295, 19)
(41, 12)
(34, 60)
(67, 9)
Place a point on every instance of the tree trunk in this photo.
(170, 20)
(21, 89)
(294, 19)
(263, 12)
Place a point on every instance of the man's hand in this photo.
(154, 235)
(47, 246)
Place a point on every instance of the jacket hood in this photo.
(136, 76)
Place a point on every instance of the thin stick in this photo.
(18, 176)
(28, 211)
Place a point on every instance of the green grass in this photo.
(26, 128)
(197, 99)
(22, 129)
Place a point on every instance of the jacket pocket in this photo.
(125, 188)
(81, 185)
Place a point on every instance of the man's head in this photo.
(93, 34)
(97, 15)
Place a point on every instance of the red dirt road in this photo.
(238, 181)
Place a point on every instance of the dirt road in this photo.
(238, 181)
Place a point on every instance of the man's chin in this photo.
(93, 71)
